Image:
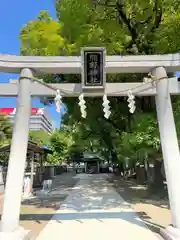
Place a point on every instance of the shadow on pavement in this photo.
(61, 187)
(99, 216)
(45, 202)
(96, 199)
(133, 192)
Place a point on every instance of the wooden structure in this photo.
(36, 156)
(91, 163)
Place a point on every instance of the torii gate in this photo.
(28, 66)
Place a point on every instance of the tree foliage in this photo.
(59, 144)
(5, 130)
(40, 137)
(123, 27)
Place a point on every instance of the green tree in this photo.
(143, 140)
(5, 130)
(40, 137)
(123, 27)
(60, 142)
(42, 37)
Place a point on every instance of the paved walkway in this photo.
(94, 210)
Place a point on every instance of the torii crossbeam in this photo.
(72, 65)
(75, 89)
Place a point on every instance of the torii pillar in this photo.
(170, 148)
(10, 228)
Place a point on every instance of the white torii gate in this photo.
(158, 65)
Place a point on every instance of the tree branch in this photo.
(158, 15)
(89, 134)
(105, 4)
(148, 20)
(114, 125)
(122, 14)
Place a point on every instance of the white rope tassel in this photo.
(106, 107)
(147, 80)
(58, 101)
(82, 104)
(131, 102)
(150, 79)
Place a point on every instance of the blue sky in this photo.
(13, 15)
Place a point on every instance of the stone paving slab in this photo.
(94, 210)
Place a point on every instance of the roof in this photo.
(31, 147)
(89, 157)
(92, 155)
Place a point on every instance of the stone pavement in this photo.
(94, 210)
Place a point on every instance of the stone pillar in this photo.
(17, 159)
(51, 171)
(32, 168)
(41, 167)
(98, 167)
(169, 142)
(85, 167)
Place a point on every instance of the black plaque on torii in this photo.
(93, 67)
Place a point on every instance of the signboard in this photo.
(93, 67)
